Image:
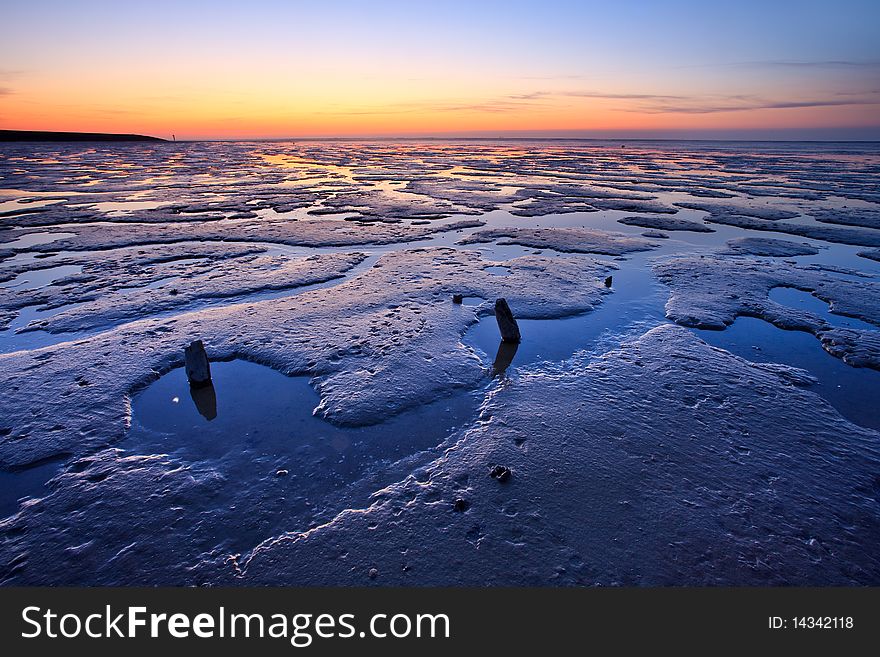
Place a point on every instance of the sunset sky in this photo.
(768, 69)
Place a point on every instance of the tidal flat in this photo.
(694, 399)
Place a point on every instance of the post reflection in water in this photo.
(205, 399)
(504, 357)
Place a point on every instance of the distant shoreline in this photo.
(36, 136)
(48, 136)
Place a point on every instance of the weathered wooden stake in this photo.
(198, 369)
(506, 323)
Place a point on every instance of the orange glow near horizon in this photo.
(216, 115)
(223, 70)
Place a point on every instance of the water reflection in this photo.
(267, 427)
(806, 301)
(504, 357)
(205, 399)
(851, 390)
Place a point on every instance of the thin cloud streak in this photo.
(755, 105)
(608, 96)
(829, 63)
(499, 105)
(594, 94)
(806, 65)
(509, 103)
(645, 103)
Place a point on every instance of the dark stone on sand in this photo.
(608, 281)
(506, 323)
(461, 505)
(500, 472)
(457, 298)
(198, 369)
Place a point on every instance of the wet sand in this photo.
(354, 403)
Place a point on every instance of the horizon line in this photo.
(466, 137)
(503, 138)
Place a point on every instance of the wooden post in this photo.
(506, 323)
(198, 369)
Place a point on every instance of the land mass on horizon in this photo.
(44, 135)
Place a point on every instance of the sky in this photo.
(773, 69)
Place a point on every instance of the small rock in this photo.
(506, 323)
(500, 472)
(608, 281)
(457, 298)
(461, 505)
(198, 369)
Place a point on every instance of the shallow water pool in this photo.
(851, 390)
(281, 467)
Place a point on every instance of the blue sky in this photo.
(361, 68)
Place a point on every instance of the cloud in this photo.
(652, 103)
(113, 111)
(497, 105)
(741, 104)
(825, 63)
(647, 103)
(608, 96)
(792, 65)
(552, 77)
(502, 104)
(593, 94)
(7, 75)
